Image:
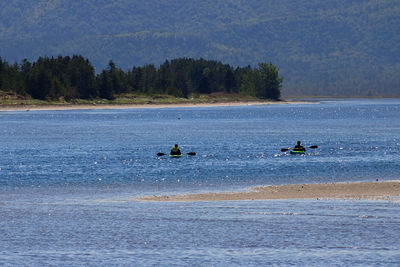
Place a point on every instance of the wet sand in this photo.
(388, 190)
(132, 106)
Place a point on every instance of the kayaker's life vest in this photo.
(175, 151)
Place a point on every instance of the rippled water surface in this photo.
(68, 178)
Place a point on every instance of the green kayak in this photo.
(175, 156)
(296, 152)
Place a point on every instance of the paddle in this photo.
(190, 154)
(286, 149)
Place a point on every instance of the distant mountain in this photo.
(324, 47)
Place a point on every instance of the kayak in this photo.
(175, 156)
(294, 152)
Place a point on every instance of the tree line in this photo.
(75, 78)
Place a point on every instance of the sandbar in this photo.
(133, 106)
(385, 190)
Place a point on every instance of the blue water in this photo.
(68, 180)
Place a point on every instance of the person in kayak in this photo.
(299, 147)
(175, 150)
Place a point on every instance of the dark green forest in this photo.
(329, 48)
(69, 78)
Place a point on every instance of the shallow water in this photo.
(67, 180)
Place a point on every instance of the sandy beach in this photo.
(132, 106)
(387, 190)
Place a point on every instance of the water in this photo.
(68, 180)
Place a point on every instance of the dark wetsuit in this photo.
(175, 151)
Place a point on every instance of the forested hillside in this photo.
(73, 78)
(325, 47)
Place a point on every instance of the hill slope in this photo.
(322, 47)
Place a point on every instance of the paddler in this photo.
(175, 150)
(299, 147)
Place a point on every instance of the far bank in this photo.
(15, 102)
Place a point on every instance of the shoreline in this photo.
(136, 106)
(386, 190)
